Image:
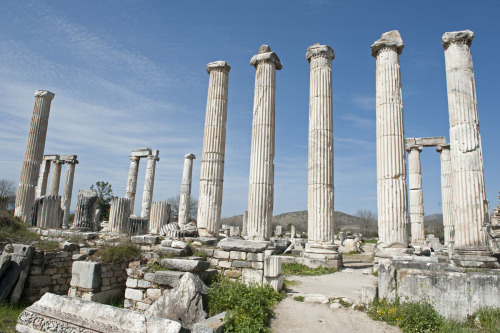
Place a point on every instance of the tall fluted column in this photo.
(391, 160)
(41, 188)
(214, 147)
(416, 195)
(320, 223)
(68, 190)
(149, 183)
(469, 196)
(184, 199)
(55, 180)
(33, 155)
(446, 192)
(132, 181)
(261, 184)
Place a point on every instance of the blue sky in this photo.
(130, 74)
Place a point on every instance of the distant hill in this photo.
(367, 226)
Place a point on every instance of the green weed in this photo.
(124, 252)
(303, 270)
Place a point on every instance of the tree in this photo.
(174, 203)
(104, 196)
(8, 189)
(369, 222)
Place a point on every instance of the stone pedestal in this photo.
(446, 193)
(68, 189)
(261, 182)
(416, 196)
(184, 199)
(132, 181)
(149, 183)
(118, 214)
(86, 205)
(391, 160)
(469, 197)
(33, 155)
(320, 195)
(214, 146)
(55, 180)
(160, 216)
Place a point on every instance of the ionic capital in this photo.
(58, 161)
(153, 157)
(440, 147)
(414, 147)
(218, 65)
(457, 37)
(44, 94)
(265, 55)
(390, 40)
(134, 158)
(318, 50)
(190, 156)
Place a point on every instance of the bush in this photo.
(13, 230)
(299, 269)
(249, 307)
(419, 317)
(124, 252)
(8, 317)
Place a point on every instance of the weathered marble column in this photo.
(86, 205)
(55, 179)
(132, 181)
(261, 183)
(214, 147)
(149, 183)
(244, 225)
(33, 155)
(416, 195)
(320, 223)
(184, 199)
(469, 196)
(160, 216)
(446, 192)
(41, 188)
(391, 160)
(68, 189)
(119, 213)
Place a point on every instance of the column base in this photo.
(476, 257)
(393, 250)
(322, 254)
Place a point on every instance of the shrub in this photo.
(299, 269)
(8, 317)
(47, 246)
(124, 252)
(13, 230)
(249, 307)
(419, 317)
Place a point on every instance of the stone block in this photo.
(272, 266)
(153, 293)
(213, 261)
(252, 275)
(241, 264)
(88, 250)
(207, 252)
(185, 265)
(221, 254)
(228, 244)
(131, 283)
(39, 281)
(143, 284)
(275, 282)
(149, 277)
(237, 255)
(79, 256)
(213, 324)
(255, 256)
(86, 274)
(368, 294)
(34, 270)
(67, 246)
(166, 243)
(141, 306)
(224, 264)
(257, 265)
(168, 278)
(179, 245)
(170, 251)
(316, 298)
(107, 274)
(134, 294)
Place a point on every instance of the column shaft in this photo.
(391, 160)
(320, 196)
(149, 183)
(184, 199)
(132, 181)
(68, 191)
(55, 180)
(214, 146)
(416, 196)
(446, 193)
(33, 155)
(41, 188)
(261, 183)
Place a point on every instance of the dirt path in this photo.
(293, 316)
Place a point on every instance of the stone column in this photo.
(469, 197)
(119, 213)
(446, 192)
(214, 147)
(68, 190)
(261, 183)
(391, 159)
(86, 205)
(320, 223)
(41, 188)
(132, 181)
(149, 183)
(55, 180)
(416, 196)
(184, 199)
(244, 225)
(160, 216)
(33, 155)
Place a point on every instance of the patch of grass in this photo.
(8, 317)
(124, 252)
(198, 253)
(76, 239)
(13, 230)
(303, 270)
(289, 283)
(299, 298)
(375, 273)
(370, 240)
(116, 301)
(249, 307)
(49, 246)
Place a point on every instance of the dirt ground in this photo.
(293, 316)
